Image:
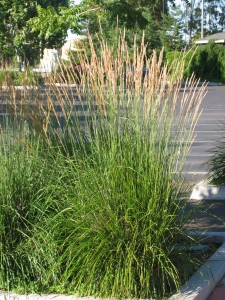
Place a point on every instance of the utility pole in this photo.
(191, 20)
(202, 23)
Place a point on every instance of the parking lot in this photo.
(210, 130)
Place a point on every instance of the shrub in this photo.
(216, 174)
(208, 62)
(14, 77)
(205, 61)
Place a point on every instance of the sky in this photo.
(76, 1)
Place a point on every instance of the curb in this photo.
(206, 191)
(204, 280)
(13, 296)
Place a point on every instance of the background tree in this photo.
(172, 35)
(27, 27)
(135, 15)
(214, 17)
(17, 37)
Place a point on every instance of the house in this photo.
(49, 60)
(219, 38)
(51, 57)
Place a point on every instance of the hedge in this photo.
(207, 62)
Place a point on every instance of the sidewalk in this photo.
(208, 215)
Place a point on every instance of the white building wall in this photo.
(51, 56)
(49, 60)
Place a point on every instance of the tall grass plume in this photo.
(115, 142)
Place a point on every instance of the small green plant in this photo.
(17, 78)
(97, 173)
(215, 164)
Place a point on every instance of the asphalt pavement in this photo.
(208, 215)
(209, 131)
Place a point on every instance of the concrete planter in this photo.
(204, 280)
(206, 191)
(198, 287)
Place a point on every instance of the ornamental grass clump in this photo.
(108, 211)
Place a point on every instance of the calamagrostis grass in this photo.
(117, 139)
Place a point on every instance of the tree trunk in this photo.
(191, 21)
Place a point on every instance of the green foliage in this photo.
(51, 24)
(17, 37)
(172, 36)
(188, 57)
(160, 27)
(23, 177)
(209, 62)
(16, 78)
(49, 27)
(215, 164)
(130, 13)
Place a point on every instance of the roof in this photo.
(218, 37)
